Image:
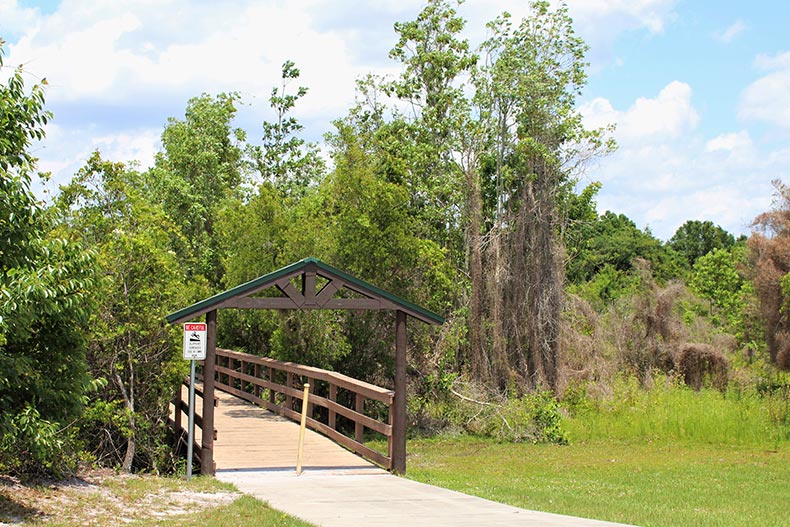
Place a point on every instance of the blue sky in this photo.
(699, 91)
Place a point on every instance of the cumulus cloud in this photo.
(666, 116)
(113, 53)
(15, 19)
(768, 98)
(598, 22)
(665, 172)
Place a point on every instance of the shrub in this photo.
(33, 448)
(533, 417)
(701, 363)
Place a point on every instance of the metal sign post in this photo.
(194, 349)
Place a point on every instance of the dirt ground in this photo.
(105, 497)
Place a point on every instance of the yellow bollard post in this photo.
(301, 429)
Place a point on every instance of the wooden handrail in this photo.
(233, 375)
(371, 391)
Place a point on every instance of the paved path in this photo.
(337, 498)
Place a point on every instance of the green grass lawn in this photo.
(637, 482)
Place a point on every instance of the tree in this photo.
(718, 277)
(105, 207)
(614, 240)
(695, 239)
(44, 303)
(199, 167)
(505, 147)
(284, 159)
(533, 73)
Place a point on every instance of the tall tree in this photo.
(532, 75)
(508, 153)
(44, 301)
(199, 168)
(105, 207)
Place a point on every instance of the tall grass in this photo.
(672, 411)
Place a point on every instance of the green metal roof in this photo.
(322, 269)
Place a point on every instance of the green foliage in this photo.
(606, 286)
(44, 300)
(105, 207)
(199, 167)
(695, 239)
(283, 159)
(717, 278)
(33, 447)
(534, 417)
(614, 240)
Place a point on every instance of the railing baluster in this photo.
(332, 414)
(359, 406)
(271, 390)
(256, 371)
(289, 382)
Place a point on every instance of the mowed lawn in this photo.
(647, 484)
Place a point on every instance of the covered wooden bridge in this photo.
(339, 407)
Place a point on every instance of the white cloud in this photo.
(623, 15)
(665, 173)
(666, 116)
(135, 146)
(768, 98)
(598, 22)
(92, 52)
(729, 142)
(729, 33)
(13, 18)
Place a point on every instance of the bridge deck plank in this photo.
(250, 437)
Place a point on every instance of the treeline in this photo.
(454, 185)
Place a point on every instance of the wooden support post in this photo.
(177, 415)
(332, 420)
(359, 406)
(399, 421)
(209, 367)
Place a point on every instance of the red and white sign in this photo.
(195, 341)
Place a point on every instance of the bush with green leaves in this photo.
(45, 284)
(533, 417)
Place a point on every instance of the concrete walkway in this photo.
(347, 498)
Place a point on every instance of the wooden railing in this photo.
(180, 419)
(340, 407)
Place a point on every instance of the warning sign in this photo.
(195, 341)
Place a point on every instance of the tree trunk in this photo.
(128, 400)
(478, 356)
